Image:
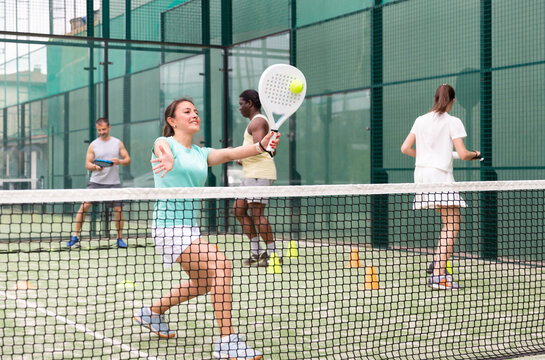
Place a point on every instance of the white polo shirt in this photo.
(434, 134)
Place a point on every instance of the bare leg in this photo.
(257, 211)
(209, 271)
(80, 217)
(450, 215)
(240, 208)
(118, 221)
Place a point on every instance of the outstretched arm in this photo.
(220, 156)
(165, 158)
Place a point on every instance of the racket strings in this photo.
(276, 90)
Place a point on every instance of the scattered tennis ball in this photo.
(449, 268)
(296, 86)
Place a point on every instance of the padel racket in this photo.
(103, 163)
(282, 89)
(456, 156)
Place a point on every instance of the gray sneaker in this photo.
(265, 262)
(443, 282)
(154, 322)
(431, 267)
(233, 347)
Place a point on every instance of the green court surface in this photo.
(82, 300)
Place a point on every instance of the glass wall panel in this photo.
(335, 55)
(332, 139)
(55, 118)
(184, 79)
(518, 125)
(68, 68)
(424, 38)
(517, 32)
(253, 19)
(141, 145)
(78, 106)
(78, 144)
(311, 11)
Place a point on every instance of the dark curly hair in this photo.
(251, 95)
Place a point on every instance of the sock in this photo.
(271, 248)
(256, 245)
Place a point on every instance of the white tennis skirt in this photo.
(171, 241)
(423, 175)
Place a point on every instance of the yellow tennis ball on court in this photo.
(296, 86)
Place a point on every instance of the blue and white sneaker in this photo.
(232, 347)
(73, 241)
(154, 322)
(121, 243)
(443, 282)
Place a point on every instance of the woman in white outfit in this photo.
(435, 134)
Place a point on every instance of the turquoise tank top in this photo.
(190, 170)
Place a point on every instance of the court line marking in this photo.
(79, 327)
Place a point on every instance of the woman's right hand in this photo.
(477, 155)
(165, 161)
(267, 138)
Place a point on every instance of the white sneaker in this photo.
(232, 347)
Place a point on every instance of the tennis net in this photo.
(348, 278)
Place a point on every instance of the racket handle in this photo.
(456, 156)
(273, 137)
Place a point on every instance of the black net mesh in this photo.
(327, 289)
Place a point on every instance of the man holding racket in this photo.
(258, 170)
(103, 158)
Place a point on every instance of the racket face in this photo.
(103, 163)
(274, 89)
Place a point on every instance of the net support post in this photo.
(379, 203)
(211, 208)
(379, 213)
(488, 199)
(489, 219)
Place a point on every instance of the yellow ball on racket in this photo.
(296, 86)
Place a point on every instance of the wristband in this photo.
(259, 147)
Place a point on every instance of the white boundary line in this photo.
(79, 327)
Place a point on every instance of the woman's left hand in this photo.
(165, 160)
